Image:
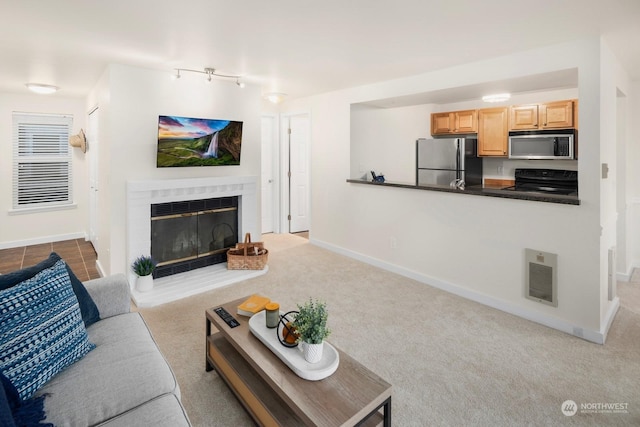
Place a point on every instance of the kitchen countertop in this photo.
(479, 190)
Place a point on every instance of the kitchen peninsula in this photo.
(479, 190)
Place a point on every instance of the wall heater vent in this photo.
(541, 282)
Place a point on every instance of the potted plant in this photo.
(144, 266)
(311, 326)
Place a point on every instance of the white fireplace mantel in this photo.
(142, 194)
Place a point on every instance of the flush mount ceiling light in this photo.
(42, 89)
(498, 97)
(209, 73)
(275, 97)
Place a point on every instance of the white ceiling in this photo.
(293, 46)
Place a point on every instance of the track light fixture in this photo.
(209, 72)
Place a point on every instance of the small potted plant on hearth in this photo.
(144, 266)
(311, 326)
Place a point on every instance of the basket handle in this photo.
(247, 239)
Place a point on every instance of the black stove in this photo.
(546, 181)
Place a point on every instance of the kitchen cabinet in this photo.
(493, 131)
(550, 115)
(455, 122)
(555, 115)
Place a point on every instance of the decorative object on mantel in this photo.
(143, 266)
(79, 141)
(311, 325)
(376, 178)
(248, 255)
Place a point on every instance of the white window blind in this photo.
(41, 160)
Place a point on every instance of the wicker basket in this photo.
(247, 255)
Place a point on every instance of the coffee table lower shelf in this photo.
(264, 406)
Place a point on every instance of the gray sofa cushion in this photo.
(125, 370)
(163, 411)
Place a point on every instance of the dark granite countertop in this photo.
(480, 191)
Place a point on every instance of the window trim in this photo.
(41, 140)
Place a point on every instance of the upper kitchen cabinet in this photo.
(455, 122)
(493, 131)
(550, 115)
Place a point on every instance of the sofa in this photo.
(120, 378)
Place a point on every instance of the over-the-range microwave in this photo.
(557, 144)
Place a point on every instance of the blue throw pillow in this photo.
(41, 328)
(88, 308)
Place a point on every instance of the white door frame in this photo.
(284, 169)
(275, 167)
(92, 148)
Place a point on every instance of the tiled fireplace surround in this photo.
(142, 194)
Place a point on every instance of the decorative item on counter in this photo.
(311, 326)
(253, 305)
(376, 178)
(144, 266)
(272, 314)
(247, 256)
(286, 332)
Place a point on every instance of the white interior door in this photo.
(299, 145)
(92, 148)
(268, 176)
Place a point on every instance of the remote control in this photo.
(228, 319)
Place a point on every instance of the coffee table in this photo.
(275, 396)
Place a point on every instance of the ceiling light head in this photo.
(239, 83)
(275, 97)
(498, 97)
(41, 88)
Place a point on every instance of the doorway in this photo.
(295, 136)
(269, 164)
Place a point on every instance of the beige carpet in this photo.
(451, 362)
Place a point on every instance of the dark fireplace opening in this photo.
(192, 234)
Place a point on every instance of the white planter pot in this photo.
(312, 352)
(144, 283)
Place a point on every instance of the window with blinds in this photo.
(41, 160)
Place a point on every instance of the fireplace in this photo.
(141, 195)
(192, 234)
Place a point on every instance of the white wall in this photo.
(132, 99)
(466, 244)
(633, 178)
(383, 139)
(39, 227)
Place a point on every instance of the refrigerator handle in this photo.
(458, 158)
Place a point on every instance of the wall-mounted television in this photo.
(187, 141)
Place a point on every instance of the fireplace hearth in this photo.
(192, 234)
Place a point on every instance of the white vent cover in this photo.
(541, 277)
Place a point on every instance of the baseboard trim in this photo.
(594, 336)
(40, 240)
(100, 269)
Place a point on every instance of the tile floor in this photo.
(77, 253)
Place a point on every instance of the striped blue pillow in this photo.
(41, 329)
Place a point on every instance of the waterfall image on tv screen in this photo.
(186, 141)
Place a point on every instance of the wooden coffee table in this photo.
(275, 396)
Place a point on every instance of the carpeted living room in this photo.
(450, 361)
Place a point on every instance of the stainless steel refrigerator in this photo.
(448, 161)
